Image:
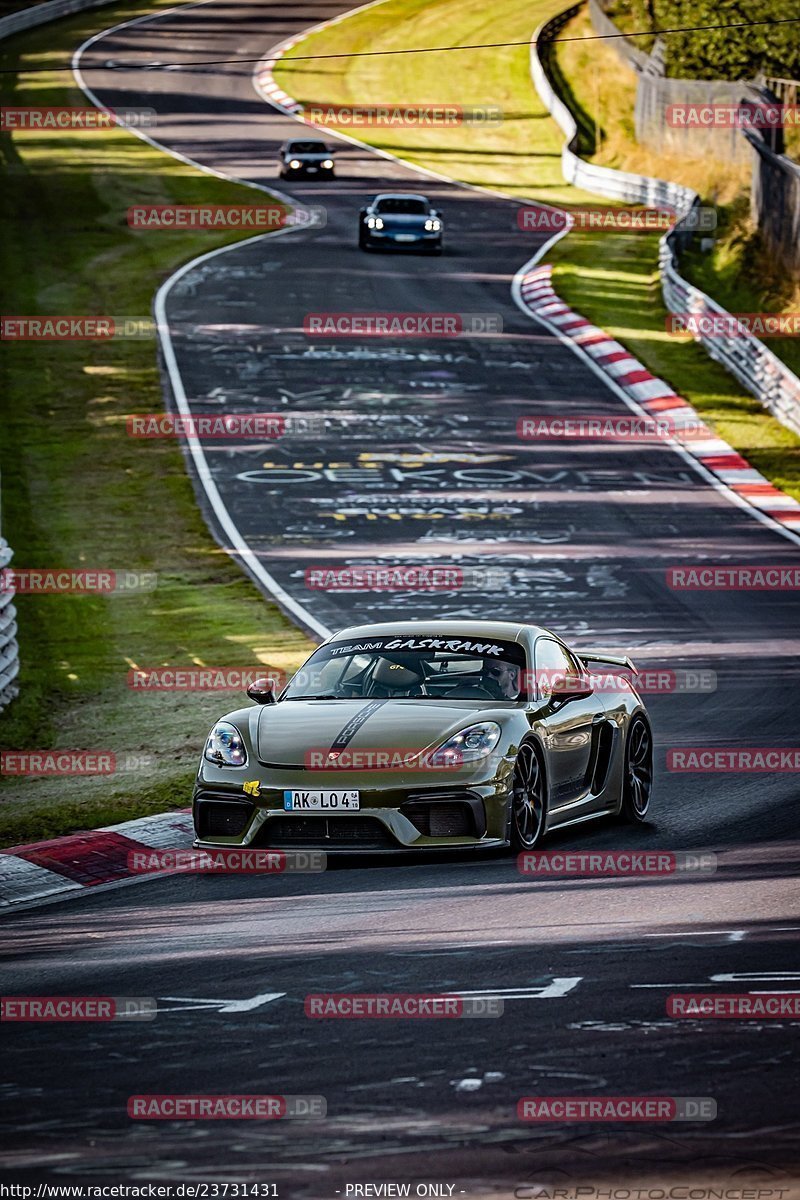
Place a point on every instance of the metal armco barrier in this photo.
(9, 649)
(747, 358)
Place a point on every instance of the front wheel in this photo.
(528, 799)
(637, 783)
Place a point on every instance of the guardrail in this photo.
(747, 358)
(17, 22)
(9, 649)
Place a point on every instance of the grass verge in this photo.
(614, 283)
(78, 492)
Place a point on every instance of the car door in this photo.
(571, 725)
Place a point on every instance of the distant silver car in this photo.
(401, 221)
(305, 157)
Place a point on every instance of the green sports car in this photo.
(414, 736)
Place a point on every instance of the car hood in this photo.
(290, 731)
(308, 156)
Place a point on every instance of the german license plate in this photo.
(404, 237)
(295, 800)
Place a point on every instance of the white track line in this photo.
(708, 476)
(238, 546)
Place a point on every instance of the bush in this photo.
(716, 53)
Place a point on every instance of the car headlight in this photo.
(295, 163)
(225, 747)
(327, 163)
(375, 222)
(432, 225)
(470, 744)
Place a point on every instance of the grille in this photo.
(327, 832)
(222, 819)
(441, 820)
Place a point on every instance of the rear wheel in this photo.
(528, 799)
(637, 784)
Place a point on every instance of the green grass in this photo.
(613, 282)
(520, 156)
(77, 491)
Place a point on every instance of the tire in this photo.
(637, 783)
(528, 799)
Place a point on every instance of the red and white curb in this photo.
(658, 400)
(65, 865)
(268, 88)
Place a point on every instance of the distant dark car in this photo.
(304, 157)
(402, 221)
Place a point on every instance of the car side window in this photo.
(551, 664)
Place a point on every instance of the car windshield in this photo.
(425, 668)
(401, 204)
(307, 148)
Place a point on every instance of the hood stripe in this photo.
(348, 732)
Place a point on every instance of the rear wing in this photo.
(615, 660)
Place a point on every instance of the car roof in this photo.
(511, 631)
(401, 196)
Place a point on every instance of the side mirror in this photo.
(572, 687)
(262, 691)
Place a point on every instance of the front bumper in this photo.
(414, 816)
(402, 240)
(312, 170)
